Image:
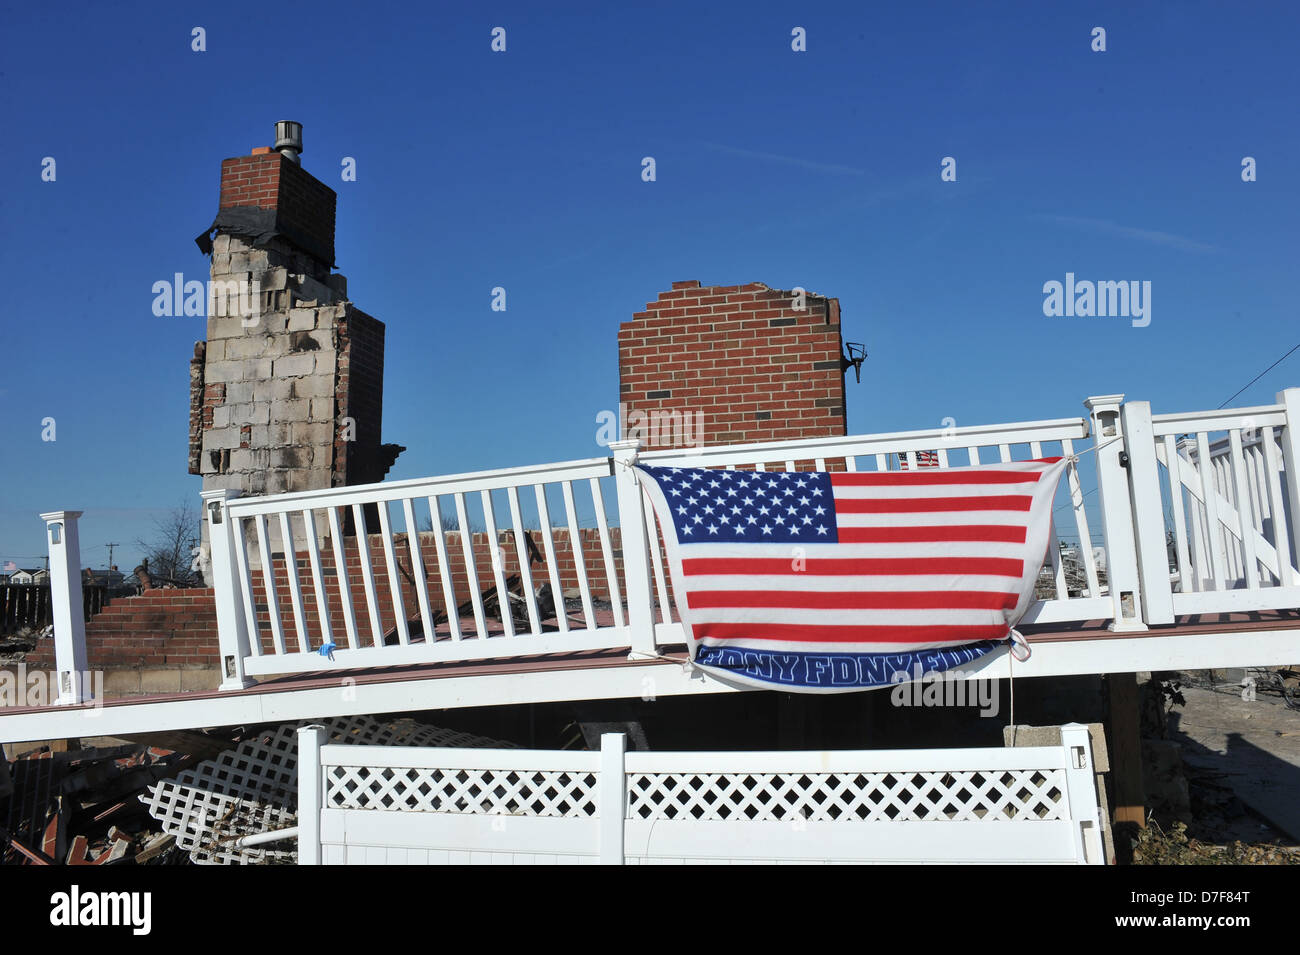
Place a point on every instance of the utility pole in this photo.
(110, 547)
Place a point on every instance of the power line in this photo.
(1264, 372)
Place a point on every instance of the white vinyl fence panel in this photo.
(385, 805)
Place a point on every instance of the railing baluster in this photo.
(317, 576)
(246, 580)
(339, 546)
(295, 586)
(579, 558)
(394, 578)
(368, 575)
(657, 558)
(498, 565)
(911, 460)
(417, 569)
(1281, 537)
(525, 565)
(471, 567)
(444, 567)
(1081, 521)
(1289, 439)
(851, 463)
(882, 462)
(553, 570)
(268, 581)
(1218, 561)
(973, 452)
(1004, 453)
(1244, 516)
(943, 457)
(607, 551)
(1174, 468)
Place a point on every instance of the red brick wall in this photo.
(178, 628)
(304, 205)
(158, 629)
(359, 391)
(757, 368)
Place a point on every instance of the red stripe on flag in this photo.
(802, 633)
(901, 505)
(895, 478)
(988, 533)
(836, 566)
(856, 600)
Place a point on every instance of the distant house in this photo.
(30, 576)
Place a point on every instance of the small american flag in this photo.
(838, 581)
(10, 566)
(924, 459)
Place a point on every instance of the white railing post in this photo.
(1148, 511)
(613, 797)
(311, 792)
(1081, 788)
(232, 628)
(1290, 438)
(635, 544)
(1116, 514)
(68, 606)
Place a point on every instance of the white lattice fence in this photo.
(382, 805)
(253, 787)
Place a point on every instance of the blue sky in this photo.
(522, 170)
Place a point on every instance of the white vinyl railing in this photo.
(295, 581)
(1232, 496)
(384, 805)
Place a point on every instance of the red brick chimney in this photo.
(301, 206)
(751, 363)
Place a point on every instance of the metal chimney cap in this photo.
(288, 140)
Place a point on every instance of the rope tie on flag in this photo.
(1074, 458)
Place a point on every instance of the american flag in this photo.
(838, 581)
(924, 459)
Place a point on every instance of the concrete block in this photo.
(217, 438)
(221, 244)
(259, 412)
(220, 260)
(302, 319)
(239, 391)
(278, 433)
(314, 386)
(294, 365)
(257, 369)
(160, 681)
(193, 680)
(322, 409)
(221, 416)
(219, 372)
(297, 409)
(122, 683)
(250, 346)
(216, 350)
(291, 457)
(275, 280)
(1051, 736)
(315, 433)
